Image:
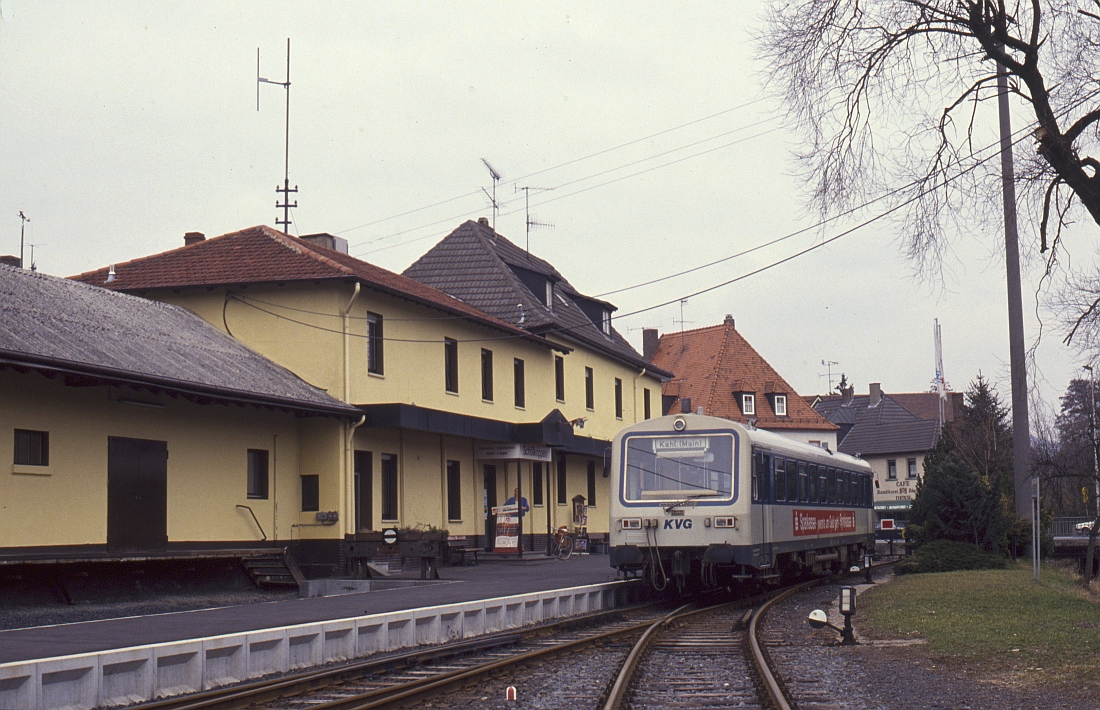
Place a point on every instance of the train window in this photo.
(780, 480)
(792, 481)
(847, 488)
(822, 485)
(803, 488)
(677, 467)
(811, 472)
(832, 485)
(760, 477)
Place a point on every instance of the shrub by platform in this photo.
(948, 556)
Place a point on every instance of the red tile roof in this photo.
(265, 255)
(714, 365)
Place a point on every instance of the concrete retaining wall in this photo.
(141, 673)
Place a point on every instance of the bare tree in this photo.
(897, 97)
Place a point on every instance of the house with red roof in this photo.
(718, 372)
(459, 405)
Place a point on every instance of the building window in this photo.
(311, 493)
(549, 294)
(780, 405)
(32, 448)
(561, 481)
(618, 398)
(589, 389)
(374, 344)
(517, 369)
(389, 487)
(912, 468)
(559, 378)
(748, 404)
(536, 483)
(487, 375)
(605, 324)
(645, 403)
(257, 474)
(892, 470)
(454, 491)
(450, 358)
(592, 484)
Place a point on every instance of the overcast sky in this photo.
(125, 124)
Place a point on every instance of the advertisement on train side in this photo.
(822, 522)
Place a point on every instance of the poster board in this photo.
(507, 537)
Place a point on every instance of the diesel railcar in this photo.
(704, 502)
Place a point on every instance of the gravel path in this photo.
(888, 674)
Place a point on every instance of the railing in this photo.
(1066, 527)
(261, 527)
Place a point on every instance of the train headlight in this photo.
(631, 523)
(680, 424)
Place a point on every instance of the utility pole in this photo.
(1092, 436)
(1021, 444)
(22, 226)
(286, 190)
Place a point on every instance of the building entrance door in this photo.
(137, 494)
(490, 493)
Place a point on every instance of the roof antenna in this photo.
(829, 371)
(527, 209)
(34, 266)
(681, 322)
(22, 226)
(493, 197)
(286, 189)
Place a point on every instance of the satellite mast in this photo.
(527, 209)
(22, 226)
(493, 197)
(286, 189)
(941, 381)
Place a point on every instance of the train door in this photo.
(137, 494)
(762, 510)
(490, 497)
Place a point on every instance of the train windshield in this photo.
(679, 467)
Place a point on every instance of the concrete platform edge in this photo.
(126, 676)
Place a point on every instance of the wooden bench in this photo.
(461, 548)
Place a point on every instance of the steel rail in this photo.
(242, 695)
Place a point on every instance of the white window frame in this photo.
(911, 469)
(891, 470)
(780, 405)
(748, 405)
(549, 294)
(605, 326)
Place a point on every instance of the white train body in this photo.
(706, 502)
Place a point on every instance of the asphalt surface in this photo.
(460, 584)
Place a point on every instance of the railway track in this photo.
(695, 656)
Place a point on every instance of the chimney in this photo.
(729, 320)
(846, 394)
(685, 405)
(190, 238)
(10, 260)
(328, 241)
(650, 340)
(876, 394)
(483, 221)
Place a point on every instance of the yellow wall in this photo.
(902, 489)
(66, 502)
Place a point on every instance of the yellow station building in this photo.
(137, 428)
(454, 402)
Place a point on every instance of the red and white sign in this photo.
(822, 522)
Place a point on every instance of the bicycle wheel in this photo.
(566, 549)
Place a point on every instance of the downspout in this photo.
(636, 378)
(349, 470)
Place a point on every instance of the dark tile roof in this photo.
(56, 324)
(484, 269)
(714, 365)
(887, 428)
(264, 255)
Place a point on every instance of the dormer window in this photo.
(605, 326)
(549, 294)
(748, 405)
(780, 405)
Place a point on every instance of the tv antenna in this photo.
(493, 197)
(286, 189)
(22, 226)
(829, 371)
(681, 321)
(32, 245)
(527, 211)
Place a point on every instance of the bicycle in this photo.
(561, 544)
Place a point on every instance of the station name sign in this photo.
(514, 452)
(822, 522)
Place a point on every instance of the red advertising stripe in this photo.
(822, 522)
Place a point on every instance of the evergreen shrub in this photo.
(949, 556)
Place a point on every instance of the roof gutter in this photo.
(168, 383)
(347, 344)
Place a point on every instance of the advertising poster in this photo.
(823, 522)
(507, 539)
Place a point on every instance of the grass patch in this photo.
(998, 619)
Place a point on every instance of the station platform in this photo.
(457, 585)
